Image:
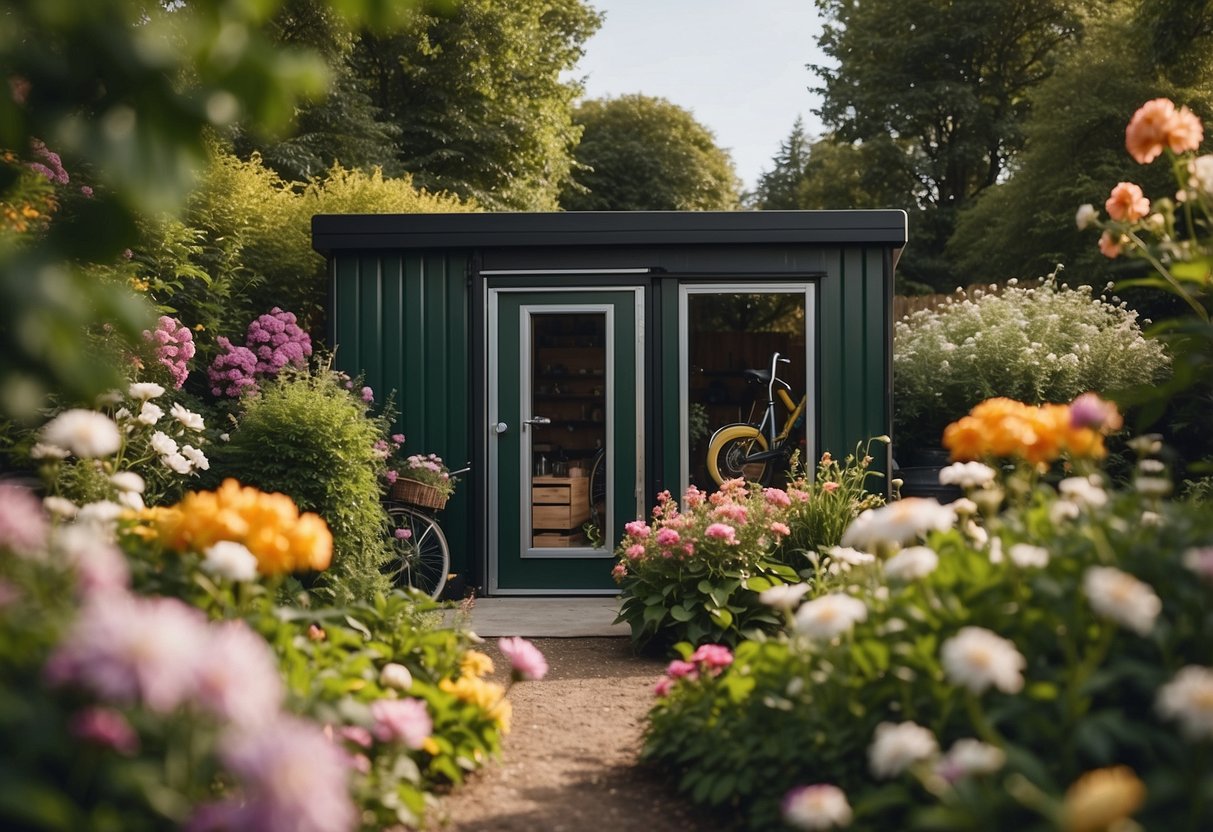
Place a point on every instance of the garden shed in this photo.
(581, 362)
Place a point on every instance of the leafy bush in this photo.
(1000, 677)
(1048, 343)
(694, 575)
(306, 436)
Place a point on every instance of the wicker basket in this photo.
(418, 494)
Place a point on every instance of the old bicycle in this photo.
(753, 450)
(420, 555)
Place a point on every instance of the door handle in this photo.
(537, 420)
(500, 428)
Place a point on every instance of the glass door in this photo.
(564, 410)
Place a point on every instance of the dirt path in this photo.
(570, 761)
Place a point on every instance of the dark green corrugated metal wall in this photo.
(402, 321)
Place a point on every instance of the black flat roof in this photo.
(337, 232)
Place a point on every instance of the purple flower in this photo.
(232, 373)
(22, 523)
(50, 166)
(368, 395)
(526, 662)
(174, 347)
(238, 679)
(276, 340)
(401, 720)
(87, 191)
(105, 727)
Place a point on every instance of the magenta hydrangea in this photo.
(174, 347)
(277, 340)
(233, 372)
(49, 164)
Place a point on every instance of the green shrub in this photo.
(1048, 343)
(306, 436)
(1079, 686)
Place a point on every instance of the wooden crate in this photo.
(556, 540)
(559, 503)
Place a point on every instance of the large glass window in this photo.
(726, 333)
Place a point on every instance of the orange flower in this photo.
(1109, 246)
(1149, 129)
(1186, 132)
(1005, 428)
(1127, 202)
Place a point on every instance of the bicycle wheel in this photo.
(727, 454)
(421, 558)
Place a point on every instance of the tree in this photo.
(639, 153)
(1075, 148)
(948, 81)
(479, 98)
(777, 187)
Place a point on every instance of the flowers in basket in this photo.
(426, 469)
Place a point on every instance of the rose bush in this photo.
(1046, 666)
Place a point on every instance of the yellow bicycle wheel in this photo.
(728, 450)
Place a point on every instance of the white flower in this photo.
(178, 463)
(103, 513)
(1083, 491)
(1025, 555)
(131, 500)
(963, 506)
(1200, 561)
(85, 433)
(902, 521)
(60, 507)
(1152, 486)
(979, 536)
(849, 556)
(829, 615)
(395, 675)
(996, 550)
(976, 658)
(196, 457)
(816, 807)
(967, 475)
(43, 451)
(1201, 170)
(230, 560)
(1085, 215)
(127, 481)
(109, 398)
(1063, 510)
(784, 596)
(1122, 598)
(1189, 698)
(187, 417)
(968, 757)
(225, 437)
(911, 564)
(163, 444)
(149, 414)
(896, 747)
(144, 390)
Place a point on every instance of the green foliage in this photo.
(306, 436)
(834, 495)
(1048, 343)
(951, 83)
(479, 97)
(639, 153)
(777, 187)
(794, 710)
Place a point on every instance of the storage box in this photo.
(555, 540)
(559, 503)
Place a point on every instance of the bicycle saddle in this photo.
(757, 376)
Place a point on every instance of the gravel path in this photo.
(570, 761)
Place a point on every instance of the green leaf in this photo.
(758, 583)
(682, 613)
(723, 617)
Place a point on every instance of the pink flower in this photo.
(1090, 411)
(731, 511)
(694, 497)
(398, 438)
(526, 662)
(392, 476)
(619, 572)
(721, 531)
(667, 537)
(401, 720)
(1109, 246)
(663, 687)
(799, 495)
(238, 677)
(780, 528)
(294, 780)
(99, 565)
(635, 551)
(688, 548)
(357, 735)
(22, 523)
(368, 395)
(713, 656)
(777, 497)
(830, 486)
(637, 529)
(316, 633)
(1127, 203)
(1149, 130)
(105, 727)
(174, 347)
(129, 649)
(678, 669)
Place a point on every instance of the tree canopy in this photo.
(641, 153)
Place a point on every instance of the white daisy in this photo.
(911, 564)
(784, 596)
(1122, 598)
(829, 615)
(977, 658)
(85, 433)
(896, 747)
(902, 521)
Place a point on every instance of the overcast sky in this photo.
(737, 65)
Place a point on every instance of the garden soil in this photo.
(569, 764)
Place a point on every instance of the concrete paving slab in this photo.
(547, 617)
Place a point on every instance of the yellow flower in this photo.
(1102, 797)
(1005, 428)
(475, 663)
(429, 746)
(487, 696)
